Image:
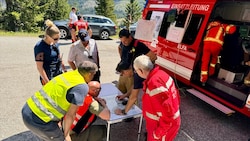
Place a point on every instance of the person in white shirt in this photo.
(72, 20)
(84, 49)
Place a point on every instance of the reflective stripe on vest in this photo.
(204, 72)
(218, 37)
(90, 121)
(157, 117)
(160, 89)
(212, 65)
(214, 40)
(50, 103)
(176, 114)
(156, 91)
(164, 138)
(228, 28)
(152, 116)
(84, 117)
(82, 109)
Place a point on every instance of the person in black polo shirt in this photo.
(132, 48)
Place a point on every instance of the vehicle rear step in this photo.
(211, 101)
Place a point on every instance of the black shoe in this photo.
(146, 135)
(203, 84)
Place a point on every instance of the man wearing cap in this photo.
(84, 49)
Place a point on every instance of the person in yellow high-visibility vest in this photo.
(60, 97)
(213, 42)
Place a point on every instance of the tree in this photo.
(132, 13)
(58, 9)
(105, 8)
(29, 15)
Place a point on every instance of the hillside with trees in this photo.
(87, 6)
(29, 16)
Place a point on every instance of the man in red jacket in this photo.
(160, 101)
(213, 42)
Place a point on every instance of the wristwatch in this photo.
(123, 112)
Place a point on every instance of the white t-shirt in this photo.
(73, 17)
(78, 53)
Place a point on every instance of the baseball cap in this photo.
(83, 35)
(122, 65)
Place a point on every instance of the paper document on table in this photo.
(108, 89)
(112, 105)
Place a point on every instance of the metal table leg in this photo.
(139, 130)
(108, 131)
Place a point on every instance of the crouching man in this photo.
(82, 128)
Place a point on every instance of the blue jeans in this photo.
(45, 131)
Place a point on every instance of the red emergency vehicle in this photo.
(180, 27)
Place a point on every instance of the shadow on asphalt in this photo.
(24, 136)
(29, 136)
(63, 44)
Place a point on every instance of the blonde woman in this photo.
(47, 54)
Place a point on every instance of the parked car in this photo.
(101, 26)
(132, 28)
(63, 27)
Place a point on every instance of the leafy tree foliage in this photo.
(132, 13)
(29, 15)
(58, 9)
(105, 8)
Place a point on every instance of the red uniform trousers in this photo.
(171, 133)
(211, 51)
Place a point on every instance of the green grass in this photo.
(114, 36)
(26, 34)
(10, 33)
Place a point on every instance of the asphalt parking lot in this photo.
(19, 80)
